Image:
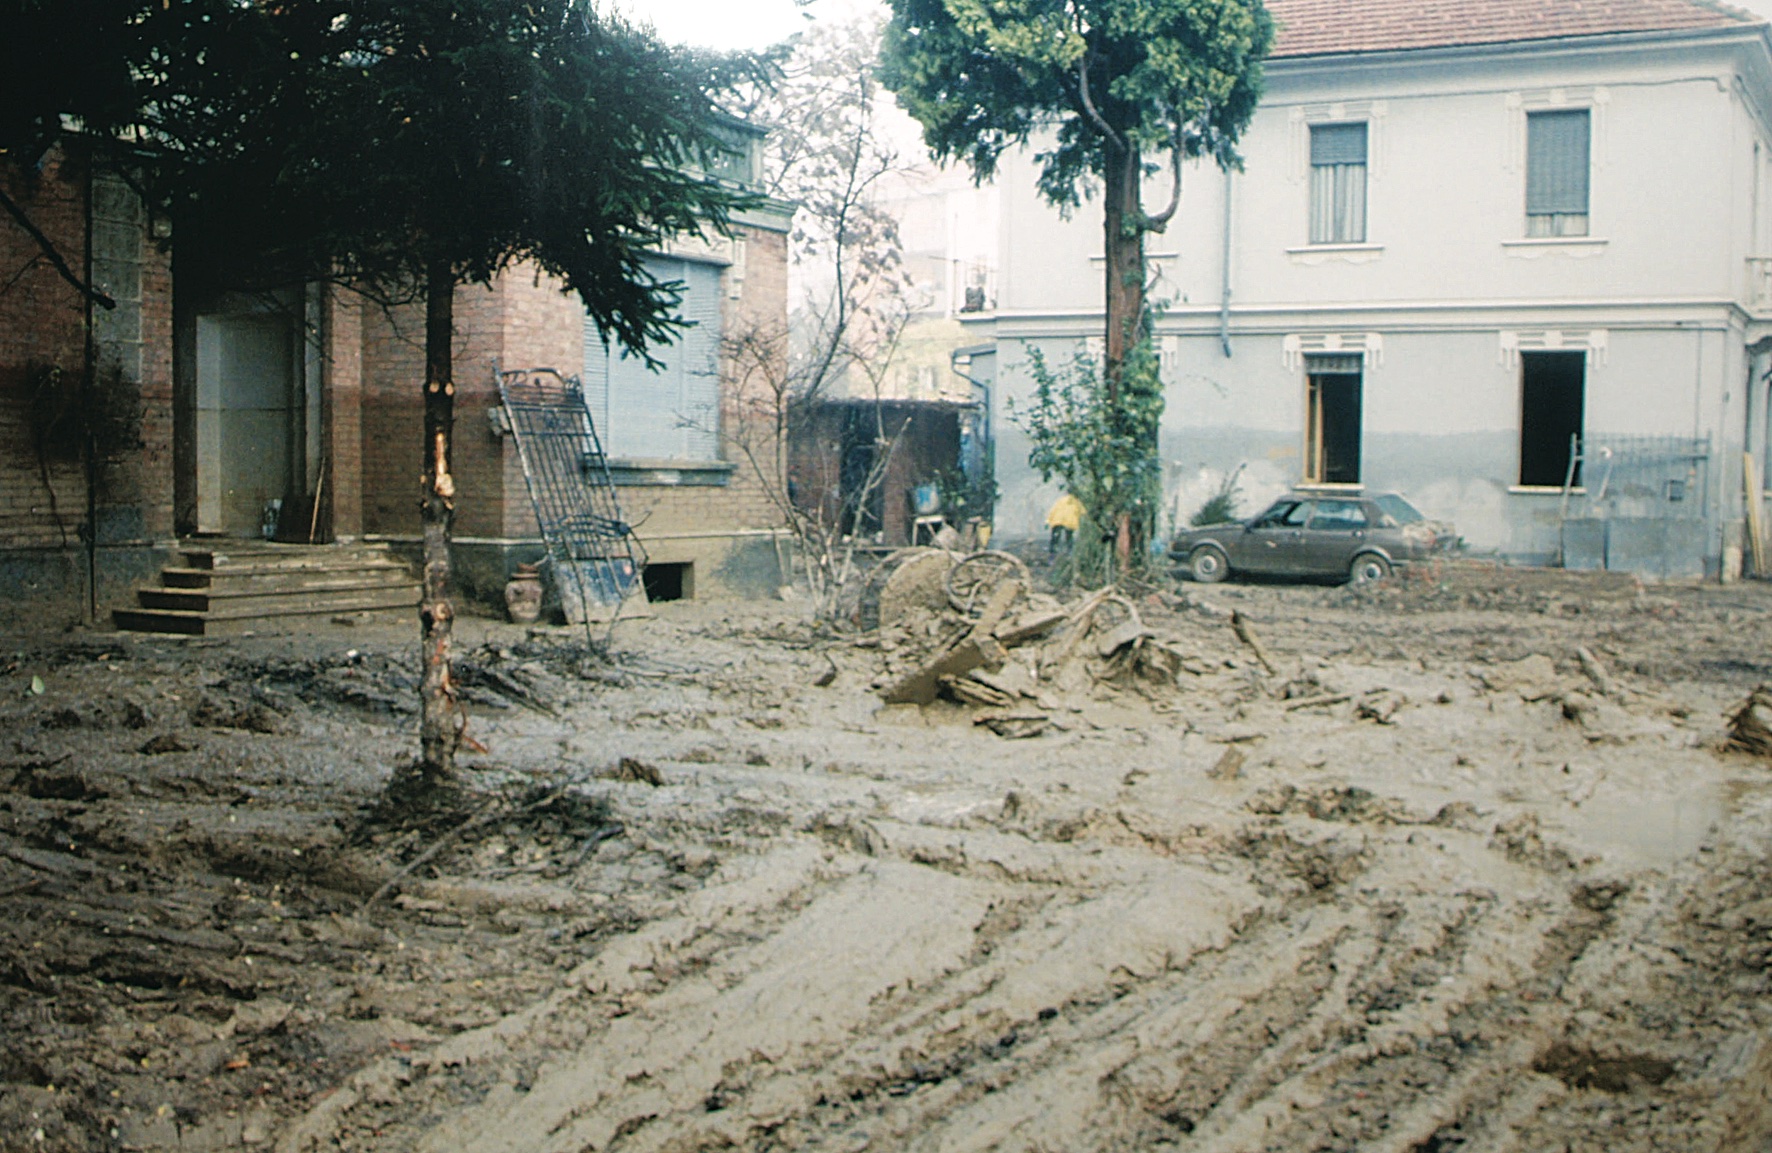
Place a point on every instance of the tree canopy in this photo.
(981, 76)
(357, 139)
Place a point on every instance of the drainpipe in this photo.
(1224, 294)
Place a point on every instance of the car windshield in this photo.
(1284, 512)
(1399, 509)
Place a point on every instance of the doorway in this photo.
(1332, 419)
(250, 415)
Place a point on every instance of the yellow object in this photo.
(1066, 512)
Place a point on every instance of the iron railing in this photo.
(592, 548)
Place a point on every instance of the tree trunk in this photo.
(440, 719)
(1123, 246)
(1124, 249)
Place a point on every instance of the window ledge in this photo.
(1345, 253)
(637, 471)
(1544, 490)
(1328, 486)
(1537, 246)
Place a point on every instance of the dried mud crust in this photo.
(703, 893)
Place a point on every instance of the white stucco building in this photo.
(1466, 233)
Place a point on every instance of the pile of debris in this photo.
(1750, 726)
(988, 643)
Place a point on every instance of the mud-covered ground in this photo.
(705, 895)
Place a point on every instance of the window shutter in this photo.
(595, 381)
(1338, 184)
(1557, 163)
(698, 350)
(672, 413)
(1338, 144)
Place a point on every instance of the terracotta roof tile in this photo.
(1334, 27)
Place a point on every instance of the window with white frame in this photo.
(671, 412)
(1338, 183)
(1558, 144)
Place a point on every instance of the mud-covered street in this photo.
(1432, 883)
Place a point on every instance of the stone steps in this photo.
(229, 588)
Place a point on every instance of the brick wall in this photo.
(393, 369)
(42, 362)
(524, 321)
(342, 468)
(50, 411)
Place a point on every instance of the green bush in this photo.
(1104, 454)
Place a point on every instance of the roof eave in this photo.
(1547, 45)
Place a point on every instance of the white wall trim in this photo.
(1297, 345)
(1595, 342)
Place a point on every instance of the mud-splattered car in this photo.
(1362, 538)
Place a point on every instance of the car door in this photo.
(1271, 542)
(1336, 531)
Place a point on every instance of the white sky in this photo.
(735, 24)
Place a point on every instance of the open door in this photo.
(249, 427)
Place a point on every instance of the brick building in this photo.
(182, 411)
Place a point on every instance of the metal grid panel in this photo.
(569, 485)
(1655, 476)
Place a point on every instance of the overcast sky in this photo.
(755, 23)
(740, 23)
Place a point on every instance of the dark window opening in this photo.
(1553, 390)
(669, 582)
(1332, 421)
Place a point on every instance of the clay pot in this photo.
(523, 594)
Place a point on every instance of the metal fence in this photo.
(1650, 476)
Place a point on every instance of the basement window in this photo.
(1332, 419)
(1553, 388)
(669, 582)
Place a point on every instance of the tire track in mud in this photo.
(895, 986)
(914, 966)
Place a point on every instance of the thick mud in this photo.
(1425, 887)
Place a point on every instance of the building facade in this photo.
(1509, 261)
(182, 412)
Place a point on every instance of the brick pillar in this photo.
(342, 374)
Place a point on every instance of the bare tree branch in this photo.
(1094, 113)
(1160, 221)
(53, 254)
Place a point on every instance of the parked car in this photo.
(1362, 538)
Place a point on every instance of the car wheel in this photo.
(1368, 569)
(1208, 564)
